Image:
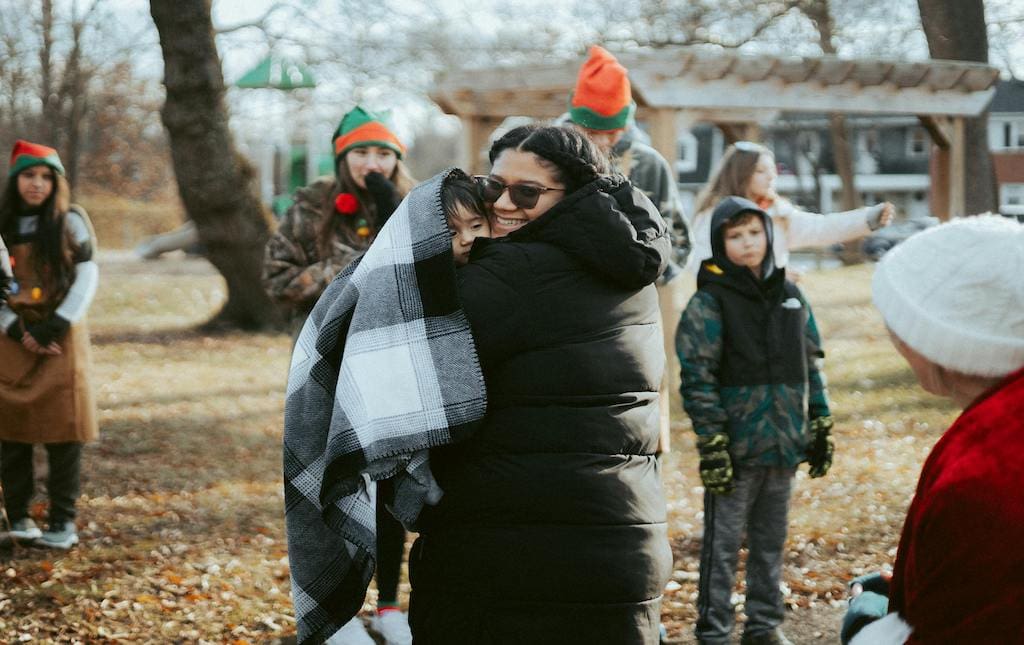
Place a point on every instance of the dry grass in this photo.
(121, 223)
(181, 514)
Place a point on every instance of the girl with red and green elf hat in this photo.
(334, 219)
(45, 392)
(331, 223)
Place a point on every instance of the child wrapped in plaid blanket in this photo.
(384, 369)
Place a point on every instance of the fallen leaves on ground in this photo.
(181, 517)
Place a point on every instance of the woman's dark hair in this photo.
(575, 160)
(54, 246)
(460, 190)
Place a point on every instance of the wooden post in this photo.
(476, 131)
(958, 170)
(940, 168)
(664, 136)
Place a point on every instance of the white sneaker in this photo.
(23, 530)
(60, 535)
(393, 626)
(352, 633)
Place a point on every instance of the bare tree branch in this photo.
(257, 23)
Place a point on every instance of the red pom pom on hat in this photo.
(346, 204)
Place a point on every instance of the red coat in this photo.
(959, 573)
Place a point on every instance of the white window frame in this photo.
(1011, 128)
(687, 148)
(914, 136)
(1011, 195)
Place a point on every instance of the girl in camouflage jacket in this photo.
(334, 219)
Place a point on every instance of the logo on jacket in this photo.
(791, 303)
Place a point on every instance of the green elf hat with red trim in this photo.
(360, 128)
(27, 154)
(602, 99)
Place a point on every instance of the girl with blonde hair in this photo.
(748, 170)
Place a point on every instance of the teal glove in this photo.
(821, 448)
(864, 610)
(715, 463)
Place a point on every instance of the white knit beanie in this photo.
(955, 294)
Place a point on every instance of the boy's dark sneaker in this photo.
(774, 637)
(23, 530)
(60, 535)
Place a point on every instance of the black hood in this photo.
(719, 269)
(608, 225)
(726, 209)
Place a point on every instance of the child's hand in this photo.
(715, 463)
(33, 346)
(821, 448)
(880, 215)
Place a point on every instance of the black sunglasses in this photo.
(522, 195)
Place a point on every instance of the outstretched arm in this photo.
(804, 230)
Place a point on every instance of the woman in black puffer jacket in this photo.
(552, 525)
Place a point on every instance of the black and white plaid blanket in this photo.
(384, 369)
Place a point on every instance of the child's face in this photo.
(465, 227)
(762, 180)
(746, 243)
(35, 184)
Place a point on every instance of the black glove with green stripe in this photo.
(821, 447)
(715, 463)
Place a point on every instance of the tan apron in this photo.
(44, 399)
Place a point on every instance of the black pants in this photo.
(17, 478)
(390, 549)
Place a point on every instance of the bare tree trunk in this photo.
(73, 91)
(956, 30)
(841, 152)
(47, 96)
(215, 182)
(820, 13)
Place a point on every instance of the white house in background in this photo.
(890, 160)
(891, 157)
(1006, 139)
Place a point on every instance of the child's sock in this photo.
(385, 607)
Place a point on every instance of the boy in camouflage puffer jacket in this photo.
(750, 354)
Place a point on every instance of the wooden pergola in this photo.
(674, 88)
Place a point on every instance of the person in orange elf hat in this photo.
(602, 107)
(334, 219)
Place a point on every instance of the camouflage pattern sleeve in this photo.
(293, 272)
(817, 399)
(699, 347)
(671, 206)
(651, 173)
